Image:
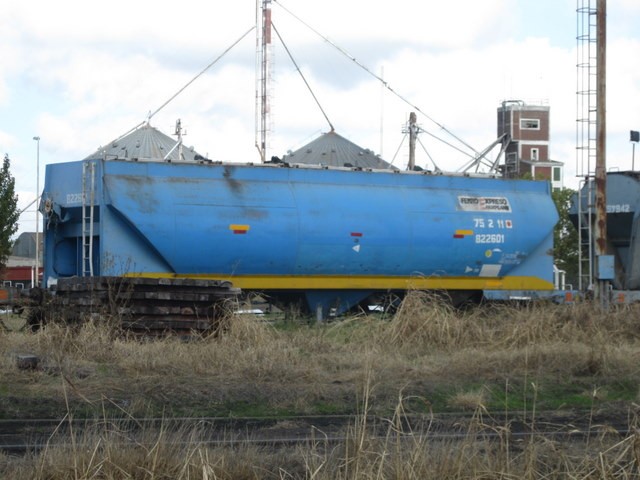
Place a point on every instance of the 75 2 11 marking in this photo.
(480, 222)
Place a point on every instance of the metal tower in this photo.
(590, 135)
(263, 75)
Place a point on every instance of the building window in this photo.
(556, 174)
(535, 154)
(529, 124)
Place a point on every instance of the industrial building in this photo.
(21, 264)
(527, 127)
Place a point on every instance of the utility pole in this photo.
(602, 285)
(413, 133)
(37, 262)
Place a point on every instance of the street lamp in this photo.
(635, 138)
(37, 277)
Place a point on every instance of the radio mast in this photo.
(263, 74)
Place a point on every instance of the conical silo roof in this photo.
(333, 150)
(146, 143)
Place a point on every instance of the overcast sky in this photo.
(79, 74)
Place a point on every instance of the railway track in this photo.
(21, 436)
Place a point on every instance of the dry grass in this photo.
(426, 342)
(425, 320)
(433, 354)
(469, 400)
(111, 450)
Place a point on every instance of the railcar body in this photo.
(333, 237)
(623, 233)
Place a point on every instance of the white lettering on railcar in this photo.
(619, 208)
(481, 222)
(483, 204)
(490, 238)
(74, 198)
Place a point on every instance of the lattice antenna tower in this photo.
(591, 141)
(586, 105)
(263, 75)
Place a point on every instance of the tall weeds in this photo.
(427, 353)
(391, 449)
(427, 320)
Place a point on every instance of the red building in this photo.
(20, 270)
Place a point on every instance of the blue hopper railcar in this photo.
(333, 238)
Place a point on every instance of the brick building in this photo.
(528, 154)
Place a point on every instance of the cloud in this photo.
(440, 25)
(7, 141)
